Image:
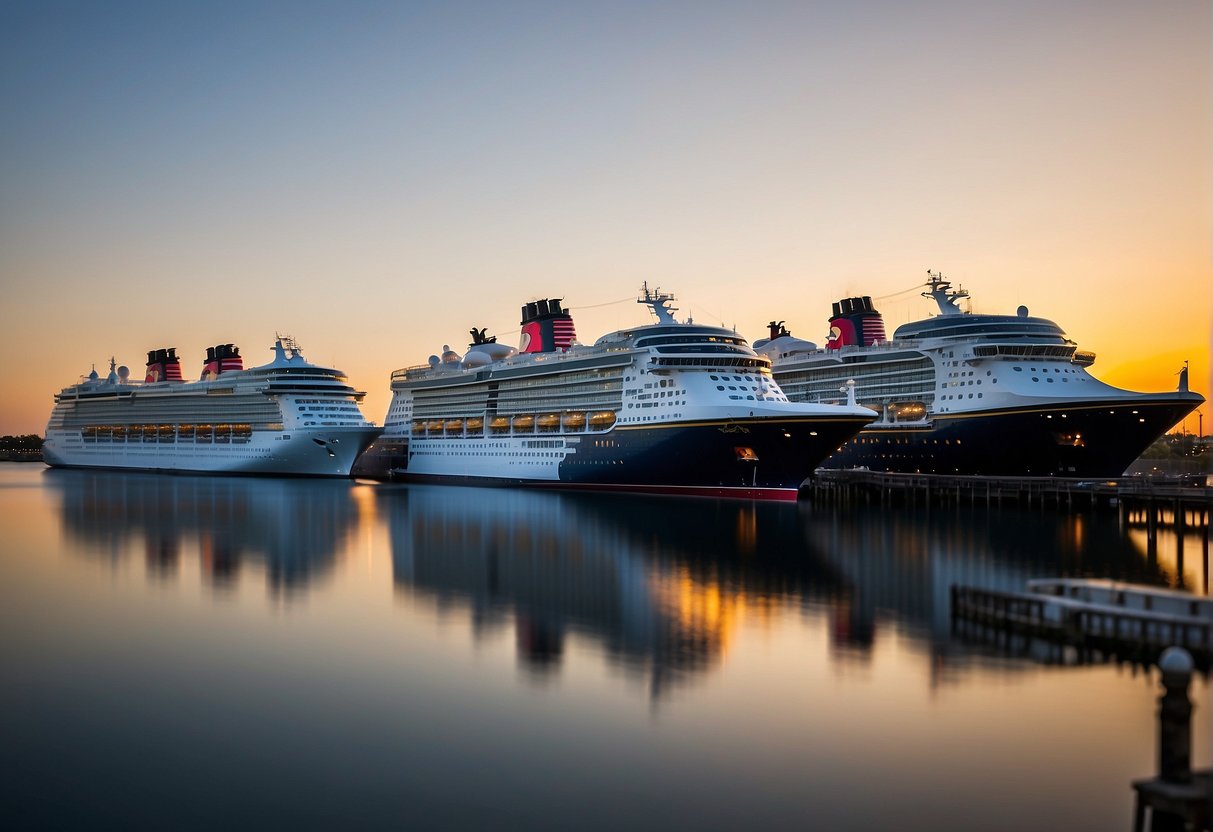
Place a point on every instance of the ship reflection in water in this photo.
(662, 585)
(181, 651)
(293, 529)
(659, 585)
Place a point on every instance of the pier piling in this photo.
(1178, 798)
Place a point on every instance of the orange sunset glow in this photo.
(377, 180)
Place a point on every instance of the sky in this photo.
(376, 178)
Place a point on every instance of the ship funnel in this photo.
(546, 327)
(778, 330)
(229, 357)
(163, 365)
(855, 323)
(221, 358)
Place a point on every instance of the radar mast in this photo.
(940, 290)
(658, 303)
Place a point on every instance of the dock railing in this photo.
(1083, 623)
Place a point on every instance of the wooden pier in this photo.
(1185, 501)
(1126, 620)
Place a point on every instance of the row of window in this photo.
(527, 424)
(200, 434)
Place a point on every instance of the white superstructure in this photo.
(285, 417)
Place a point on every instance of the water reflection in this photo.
(293, 528)
(793, 654)
(899, 567)
(659, 584)
(904, 563)
(662, 585)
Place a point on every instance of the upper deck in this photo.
(983, 328)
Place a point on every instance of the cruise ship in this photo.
(959, 392)
(285, 417)
(669, 407)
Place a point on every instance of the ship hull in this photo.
(766, 459)
(1086, 439)
(385, 455)
(330, 453)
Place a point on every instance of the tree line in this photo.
(23, 443)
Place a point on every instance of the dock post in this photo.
(1175, 717)
(1176, 800)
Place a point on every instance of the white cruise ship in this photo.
(669, 407)
(1006, 395)
(285, 417)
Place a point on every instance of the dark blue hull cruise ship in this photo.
(965, 393)
(670, 407)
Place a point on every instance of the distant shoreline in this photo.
(20, 456)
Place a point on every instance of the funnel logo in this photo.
(842, 333)
(532, 338)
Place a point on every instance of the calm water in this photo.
(187, 652)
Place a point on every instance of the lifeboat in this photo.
(573, 421)
(549, 423)
(454, 426)
(500, 424)
(418, 427)
(523, 424)
(434, 427)
(475, 427)
(602, 420)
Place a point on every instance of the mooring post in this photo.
(1175, 717)
(1176, 799)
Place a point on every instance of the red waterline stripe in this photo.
(719, 492)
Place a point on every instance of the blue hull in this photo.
(1092, 439)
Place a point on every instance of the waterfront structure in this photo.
(972, 393)
(668, 407)
(285, 417)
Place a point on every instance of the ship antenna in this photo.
(658, 303)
